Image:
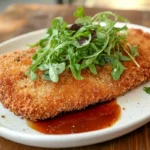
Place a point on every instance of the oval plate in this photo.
(135, 102)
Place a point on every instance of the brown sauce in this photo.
(93, 118)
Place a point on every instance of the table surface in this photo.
(19, 19)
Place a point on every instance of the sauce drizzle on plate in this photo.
(92, 118)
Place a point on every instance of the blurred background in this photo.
(115, 4)
(22, 16)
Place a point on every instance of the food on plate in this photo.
(92, 118)
(96, 63)
(147, 90)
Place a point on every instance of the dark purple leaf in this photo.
(75, 27)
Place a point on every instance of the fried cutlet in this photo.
(41, 99)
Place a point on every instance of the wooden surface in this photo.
(20, 19)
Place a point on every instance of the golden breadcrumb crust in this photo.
(43, 99)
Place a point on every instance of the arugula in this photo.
(89, 42)
(147, 89)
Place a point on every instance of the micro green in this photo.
(147, 90)
(89, 42)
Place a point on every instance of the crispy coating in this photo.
(43, 99)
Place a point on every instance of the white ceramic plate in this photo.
(135, 102)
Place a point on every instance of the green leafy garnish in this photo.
(147, 89)
(89, 42)
(118, 69)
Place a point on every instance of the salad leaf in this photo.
(79, 12)
(147, 90)
(118, 69)
(86, 44)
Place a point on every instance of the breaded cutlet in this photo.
(39, 99)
